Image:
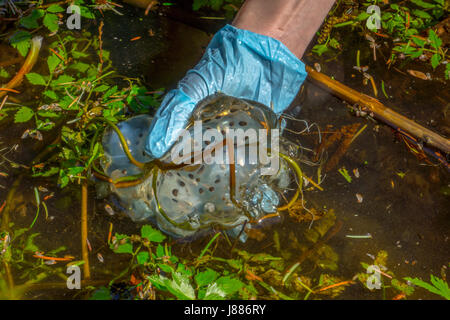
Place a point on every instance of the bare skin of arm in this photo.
(293, 22)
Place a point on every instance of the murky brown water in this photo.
(408, 217)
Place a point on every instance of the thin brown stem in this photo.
(84, 230)
(380, 111)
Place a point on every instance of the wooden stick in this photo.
(336, 285)
(84, 230)
(380, 111)
(9, 277)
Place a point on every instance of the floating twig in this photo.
(84, 230)
(380, 111)
(3, 102)
(358, 133)
(66, 258)
(110, 232)
(100, 48)
(9, 90)
(313, 183)
(343, 283)
(384, 90)
(365, 236)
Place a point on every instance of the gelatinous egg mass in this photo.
(206, 180)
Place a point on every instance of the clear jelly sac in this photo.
(192, 198)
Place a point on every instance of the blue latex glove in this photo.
(238, 63)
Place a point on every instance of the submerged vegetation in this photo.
(74, 92)
(409, 32)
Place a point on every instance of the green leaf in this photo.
(152, 234)
(21, 41)
(110, 92)
(435, 60)
(51, 94)
(434, 39)
(410, 32)
(124, 244)
(45, 125)
(36, 79)
(101, 293)
(5, 111)
(320, 49)
(345, 174)
(165, 268)
(65, 102)
(50, 172)
(416, 54)
(74, 171)
(362, 16)
(57, 250)
(94, 154)
(86, 13)
(439, 287)
(55, 8)
(395, 7)
(52, 61)
(143, 257)
(30, 21)
(101, 88)
(51, 22)
(48, 114)
(180, 287)
(23, 115)
(206, 277)
(61, 79)
(63, 180)
(402, 287)
(106, 55)
(3, 73)
(124, 248)
(197, 4)
(29, 244)
(418, 41)
(423, 4)
(334, 43)
(80, 66)
(235, 263)
(215, 292)
(160, 251)
(67, 153)
(216, 4)
(229, 285)
(184, 270)
(421, 14)
(78, 54)
(158, 281)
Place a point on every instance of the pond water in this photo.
(405, 201)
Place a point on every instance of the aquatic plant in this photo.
(154, 272)
(230, 7)
(77, 89)
(78, 96)
(410, 30)
(438, 286)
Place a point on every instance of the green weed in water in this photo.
(406, 27)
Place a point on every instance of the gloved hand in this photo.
(238, 63)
